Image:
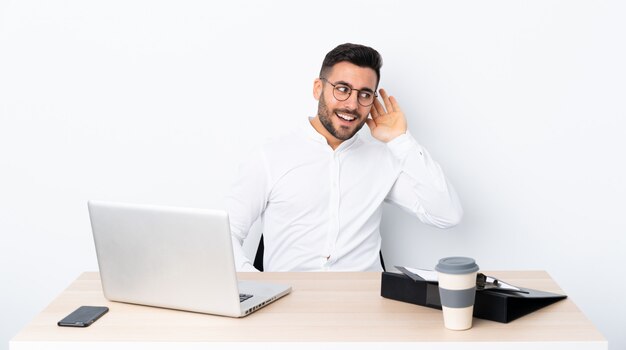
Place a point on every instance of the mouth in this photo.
(346, 117)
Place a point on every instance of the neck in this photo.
(332, 141)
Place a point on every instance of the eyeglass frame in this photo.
(350, 93)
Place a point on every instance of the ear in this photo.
(317, 88)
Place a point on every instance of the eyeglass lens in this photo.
(343, 92)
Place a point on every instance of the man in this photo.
(320, 190)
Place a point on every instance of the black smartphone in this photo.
(84, 316)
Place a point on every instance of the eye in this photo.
(343, 89)
(366, 95)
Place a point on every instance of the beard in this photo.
(342, 132)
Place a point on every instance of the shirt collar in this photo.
(315, 135)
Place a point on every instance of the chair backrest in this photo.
(258, 258)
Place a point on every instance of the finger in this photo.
(394, 103)
(380, 110)
(385, 97)
(374, 113)
(370, 123)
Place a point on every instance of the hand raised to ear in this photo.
(387, 122)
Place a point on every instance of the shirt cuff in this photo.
(404, 144)
(248, 267)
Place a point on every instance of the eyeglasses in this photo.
(342, 92)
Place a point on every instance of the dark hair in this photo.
(360, 55)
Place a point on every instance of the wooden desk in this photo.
(342, 310)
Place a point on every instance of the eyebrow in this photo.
(352, 87)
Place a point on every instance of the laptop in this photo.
(176, 258)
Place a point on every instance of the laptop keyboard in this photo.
(244, 297)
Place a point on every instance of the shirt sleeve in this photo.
(421, 187)
(245, 203)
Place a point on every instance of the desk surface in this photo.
(340, 308)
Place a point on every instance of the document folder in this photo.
(491, 305)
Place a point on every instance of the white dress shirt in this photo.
(321, 209)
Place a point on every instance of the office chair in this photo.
(258, 258)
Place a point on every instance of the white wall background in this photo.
(522, 102)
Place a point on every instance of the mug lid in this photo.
(456, 265)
